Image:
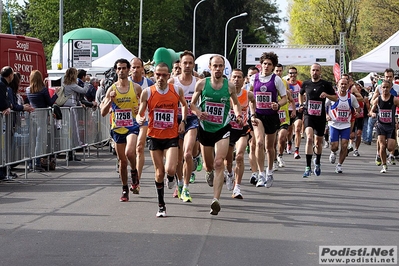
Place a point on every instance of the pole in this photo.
(61, 33)
(140, 26)
(195, 9)
(225, 31)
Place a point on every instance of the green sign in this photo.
(94, 51)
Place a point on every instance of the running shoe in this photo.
(338, 169)
(307, 172)
(135, 188)
(269, 181)
(391, 160)
(326, 145)
(296, 155)
(192, 178)
(275, 166)
(247, 149)
(317, 168)
(185, 195)
(378, 160)
(195, 163)
(384, 169)
(280, 161)
(229, 180)
(209, 178)
(333, 157)
(170, 181)
(237, 193)
(350, 149)
(215, 207)
(356, 153)
(261, 181)
(178, 191)
(125, 196)
(199, 163)
(161, 211)
(253, 179)
(289, 146)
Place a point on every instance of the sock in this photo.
(124, 188)
(318, 157)
(160, 192)
(280, 155)
(308, 160)
(185, 186)
(289, 142)
(262, 173)
(170, 178)
(180, 183)
(297, 149)
(135, 176)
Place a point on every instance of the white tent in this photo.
(367, 80)
(109, 59)
(377, 60)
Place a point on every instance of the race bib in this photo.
(233, 121)
(314, 107)
(123, 118)
(282, 116)
(215, 112)
(343, 115)
(263, 100)
(188, 100)
(163, 118)
(385, 116)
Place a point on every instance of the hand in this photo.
(323, 95)
(239, 120)
(140, 119)
(203, 116)
(293, 114)
(275, 106)
(182, 128)
(254, 121)
(6, 111)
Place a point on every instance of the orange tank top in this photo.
(163, 110)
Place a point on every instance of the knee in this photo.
(123, 163)
(260, 144)
(188, 156)
(140, 148)
(239, 158)
(219, 163)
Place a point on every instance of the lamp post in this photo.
(225, 30)
(195, 9)
(140, 24)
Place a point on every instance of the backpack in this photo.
(110, 78)
(62, 98)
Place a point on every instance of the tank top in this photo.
(162, 113)
(295, 88)
(265, 93)
(386, 111)
(188, 92)
(243, 100)
(283, 113)
(217, 104)
(123, 116)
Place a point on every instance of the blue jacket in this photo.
(41, 99)
(4, 102)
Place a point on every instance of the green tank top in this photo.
(217, 104)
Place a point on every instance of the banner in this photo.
(294, 56)
(394, 59)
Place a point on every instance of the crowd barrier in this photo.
(27, 136)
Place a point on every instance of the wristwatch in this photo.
(184, 121)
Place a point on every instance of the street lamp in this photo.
(225, 31)
(259, 28)
(195, 9)
(140, 25)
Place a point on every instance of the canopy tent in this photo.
(109, 59)
(377, 60)
(366, 80)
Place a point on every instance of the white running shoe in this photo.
(280, 161)
(229, 180)
(269, 181)
(333, 157)
(237, 193)
(261, 181)
(338, 169)
(384, 169)
(356, 153)
(254, 178)
(275, 166)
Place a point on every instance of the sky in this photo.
(283, 4)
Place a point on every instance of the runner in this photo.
(162, 100)
(214, 130)
(122, 98)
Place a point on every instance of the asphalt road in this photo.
(72, 216)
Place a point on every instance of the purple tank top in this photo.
(265, 94)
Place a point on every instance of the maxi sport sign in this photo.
(394, 59)
(294, 56)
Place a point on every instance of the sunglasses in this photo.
(292, 73)
(162, 75)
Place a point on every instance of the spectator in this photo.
(39, 97)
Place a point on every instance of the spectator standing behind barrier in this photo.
(39, 97)
(7, 75)
(12, 93)
(91, 93)
(72, 88)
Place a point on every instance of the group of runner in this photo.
(224, 116)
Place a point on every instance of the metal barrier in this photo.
(30, 136)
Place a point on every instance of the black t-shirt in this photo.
(314, 105)
(364, 94)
